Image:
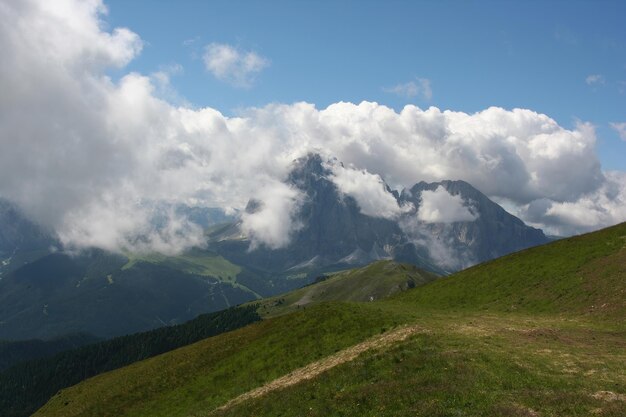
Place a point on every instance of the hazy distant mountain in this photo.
(21, 240)
(17, 232)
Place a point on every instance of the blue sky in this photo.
(532, 54)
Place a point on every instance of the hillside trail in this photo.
(314, 369)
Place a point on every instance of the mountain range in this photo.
(46, 294)
(335, 233)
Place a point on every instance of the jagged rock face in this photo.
(333, 229)
(492, 234)
(334, 226)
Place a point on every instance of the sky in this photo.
(112, 113)
(566, 59)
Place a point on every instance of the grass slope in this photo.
(466, 366)
(372, 282)
(538, 333)
(584, 275)
(194, 262)
(205, 375)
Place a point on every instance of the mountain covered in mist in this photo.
(459, 228)
(441, 227)
(21, 240)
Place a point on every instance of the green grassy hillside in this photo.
(205, 375)
(194, 262)
(27, 386)
(538, 333)
(372, 282)
(578, 276)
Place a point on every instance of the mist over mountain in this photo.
(336, 218)
(21, 240)
(441, 226)
(18, 232)
(482, 230)
(329, 227)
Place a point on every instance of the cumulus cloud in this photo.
(369, 191)
(620, 128)
(418, 87)
(599, 208)
(233, 65)
(95, 158)
(595, 79)
(439, 206)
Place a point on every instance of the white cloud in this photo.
(122, 226)
(419, 87)
(595, 79)
(93, 158)
(230, 64)
(368, 190)
(439, 206)
(272, 222)
(620, 128)
(600, 208)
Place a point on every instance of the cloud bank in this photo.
(96, 158)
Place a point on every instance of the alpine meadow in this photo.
(356, 208)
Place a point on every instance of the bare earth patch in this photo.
(609, 396)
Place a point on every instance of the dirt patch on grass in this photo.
(609, 396)
(306, 299)
(316, 368)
